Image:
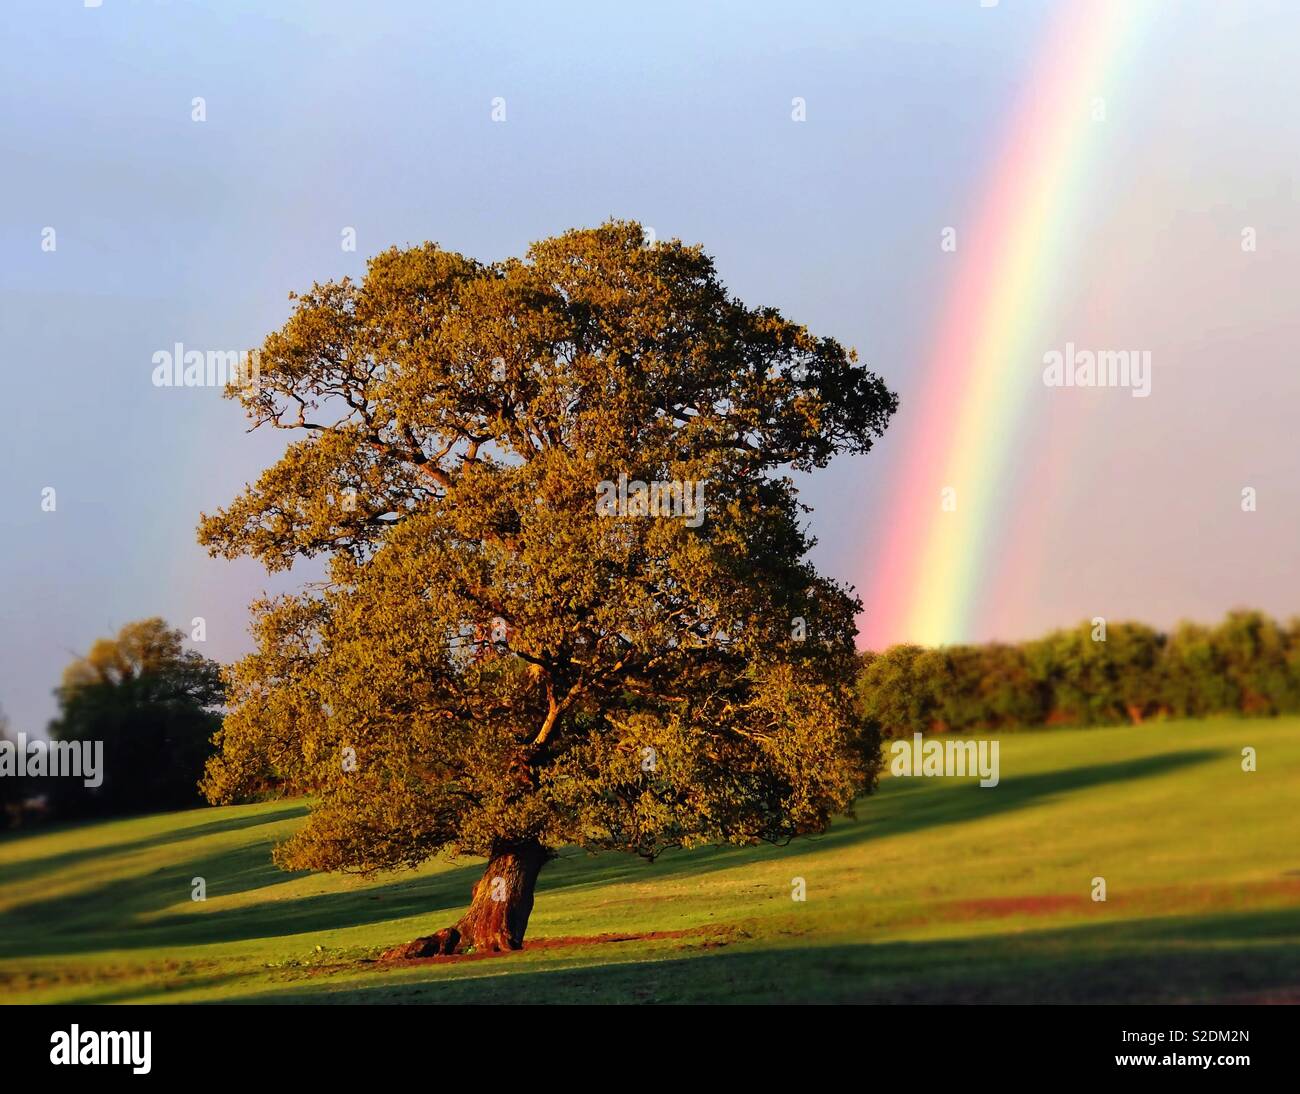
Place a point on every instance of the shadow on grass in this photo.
(122, 914)
(1238, 956)
(900, 807)
(26, 869)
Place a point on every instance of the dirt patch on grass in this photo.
(1164, 900)
(1000, 907)
(712, 936)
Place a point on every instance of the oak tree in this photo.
(498, 661)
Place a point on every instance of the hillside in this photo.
(939, 890)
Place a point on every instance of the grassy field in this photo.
(939, 891)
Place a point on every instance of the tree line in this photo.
(1092, 674)
(157, 706)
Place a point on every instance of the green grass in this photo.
(938, 891)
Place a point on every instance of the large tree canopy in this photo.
(495, 664)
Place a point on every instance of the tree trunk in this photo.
(499, 909)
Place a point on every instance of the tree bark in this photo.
(500, 905)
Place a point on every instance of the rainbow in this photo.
(952, 501)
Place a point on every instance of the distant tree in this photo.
(1253, 651)
(898, 690)
(989, 687)
(1292, 636)
(153, 704)
(913, 689)
(1053, 664)
(497, 664)
(956, 677)
(12, 790)
(1096, 681)
(1133, 653)
(1194, 680)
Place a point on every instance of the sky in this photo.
(1144, 165)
